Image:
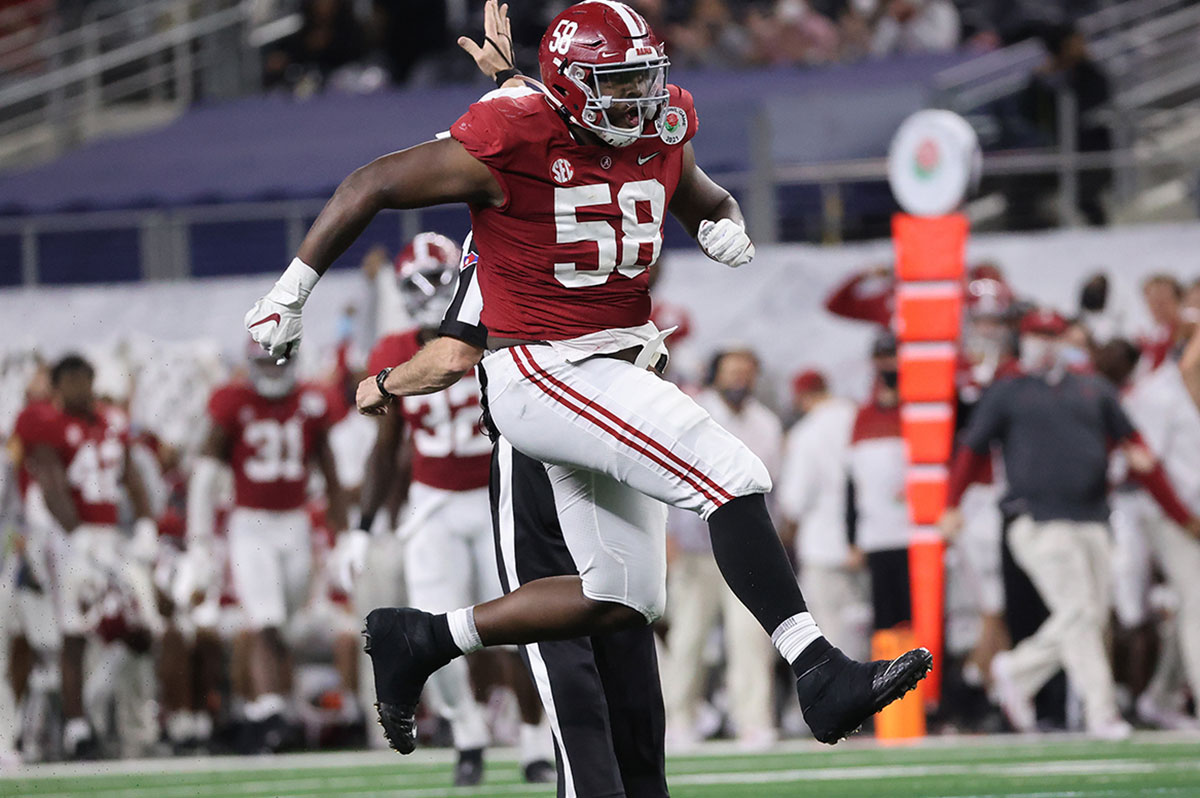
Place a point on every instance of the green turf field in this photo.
(1150, 765)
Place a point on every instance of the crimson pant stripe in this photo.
(581, 406)
(670, 455)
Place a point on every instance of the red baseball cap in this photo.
(1043, 322)
(809, 381)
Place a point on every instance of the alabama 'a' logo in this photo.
(562, 171)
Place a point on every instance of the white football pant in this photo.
(619, 443)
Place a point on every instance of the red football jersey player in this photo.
(568, 186)
(268, 431)
(75, 464)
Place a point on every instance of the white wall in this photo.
(774, 304)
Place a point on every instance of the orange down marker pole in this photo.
(930, 264)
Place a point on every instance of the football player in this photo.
(568, 183)
(76, 453)
(268, 431)
(449, 555)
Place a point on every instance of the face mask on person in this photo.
(735, 397)
(1038, 354)
(1074, 357)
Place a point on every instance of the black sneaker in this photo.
(468, 772)
(540, 771)
(403, 651)
(837, 694)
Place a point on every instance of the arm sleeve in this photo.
(968, 467)
(989, 419)
(461, 320)
(682, 99)
(1158, 485)
(222, 409)
(494, 132)
(850, 301)
(796, 477)
(1117, 425)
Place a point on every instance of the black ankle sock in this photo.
(444, 644)
(812, 655)
(752, 560)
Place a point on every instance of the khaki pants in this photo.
(698, 598)
(1069, 562)
(1178, 554)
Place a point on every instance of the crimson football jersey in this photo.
(450, 449)
(92, 451)
(566, 253)
(271, 442)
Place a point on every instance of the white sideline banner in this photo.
(774, 305)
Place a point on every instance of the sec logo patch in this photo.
(562, 171)
(672, 125)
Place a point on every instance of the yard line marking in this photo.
(386, 784)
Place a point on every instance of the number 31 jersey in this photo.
(271, 442)
(450, 449)
(566, 253)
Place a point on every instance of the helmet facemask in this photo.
(272, 380)
(622, 98)
(427, 293)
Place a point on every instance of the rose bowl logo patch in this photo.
(927, 159)
(672, 125)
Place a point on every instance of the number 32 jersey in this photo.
(450, 449)
(271, 442)
(566, 253)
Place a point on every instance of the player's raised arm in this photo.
(432, 173)
(711, 214)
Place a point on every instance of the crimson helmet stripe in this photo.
(633, 21)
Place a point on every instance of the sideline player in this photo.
(77, 453)
(568, 188)
(449, 555)
(268, 432)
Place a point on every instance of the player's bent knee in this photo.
(612, 616)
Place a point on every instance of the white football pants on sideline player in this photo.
(1069, 562)
(450, 562)
(8, 620)
(1178, 555)
(381, 584)
(270, 554)
(618, 440)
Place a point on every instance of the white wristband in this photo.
(297, 282)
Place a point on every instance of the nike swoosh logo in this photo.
(273, 317)
(644, 159)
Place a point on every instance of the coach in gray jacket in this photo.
(1055, 428)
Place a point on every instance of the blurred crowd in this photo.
(351, 43)
(142, 630)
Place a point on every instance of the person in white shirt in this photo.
(697, 595)
(877, 465)
(916, 26)
(1165, 407)
(811, 492)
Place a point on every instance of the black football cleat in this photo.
(400, 642)
(838, 694)
(468, 771)
(540, 771)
